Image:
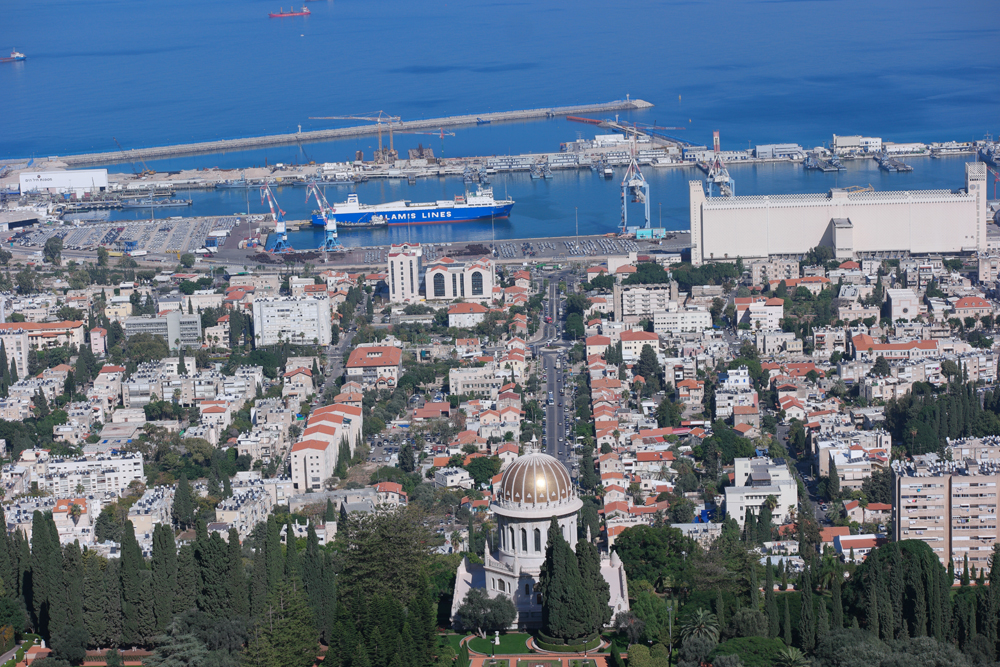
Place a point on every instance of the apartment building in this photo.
(153, 508)
(481, 381)
(176, 328)
(293, 319)
(950, 505)
(405, 272)
(376, 365)
(757, 479)
(643, 301)
(94, 474)
(759, 312)
(244, 509)
(678, 321)
(45, 335)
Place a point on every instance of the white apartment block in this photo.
(405, 272)
(643, 301)
(951, 505)
(759, 312)
(755, 480)
(98, 474)
(296, 320)
(177, 329)
(481, 381)
(15, 344)
(678, 321)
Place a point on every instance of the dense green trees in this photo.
(574, 594)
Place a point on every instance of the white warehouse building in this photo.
(853, 223)
(77, 181)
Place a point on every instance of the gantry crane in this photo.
(281, 244)
(634, 184)
(377, 117)
(330, 243)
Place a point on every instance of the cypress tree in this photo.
(837, 599)
(787, 626)
(275, 560)
(188, 581)
(916, 585)
(290, 628)
(164, 566)
(13, 372)
(561, 588)
(4, 365)
(292, 567)
(258, 585)
(259, 652)
(896, 588)
(312, 575)
(46, 570)
(132, 565)
(8, 555)
(94, 602)
(212, 558)
(597, 587)
(807, 619)
(328, 611)
(331, 513)
(822, 620)
(770, 603)
(227, 487)
(146, 619)
(833, 486)
(754, 587)
(183, 503)
(113, 602)
(239, 595)
(965, 570)
(871, 602)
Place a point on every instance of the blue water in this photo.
(156, 73)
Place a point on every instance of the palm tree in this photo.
(771, 502)
(792, 657)
(702, 623)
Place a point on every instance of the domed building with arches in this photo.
(533, 489)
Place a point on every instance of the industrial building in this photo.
(78, 182)
(852, 223)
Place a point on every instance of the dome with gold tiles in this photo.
(535, 480)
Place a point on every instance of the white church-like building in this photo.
(533, 489)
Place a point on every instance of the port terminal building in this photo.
(854, 224)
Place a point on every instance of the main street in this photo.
(553, 357)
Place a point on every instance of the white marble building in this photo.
(533, 489)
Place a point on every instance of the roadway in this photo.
(553, 356)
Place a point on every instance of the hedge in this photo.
(547, 643)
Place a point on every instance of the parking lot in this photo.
(155, 237)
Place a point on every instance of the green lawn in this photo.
(509, 643)
(539, 663)
(582, 663)
(452, 640)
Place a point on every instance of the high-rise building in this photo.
(950, 505)
(405, 272)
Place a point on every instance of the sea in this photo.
(760, 71)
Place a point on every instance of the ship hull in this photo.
(401, 217)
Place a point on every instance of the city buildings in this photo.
(175, 328)
(303, 320)
(405, 272)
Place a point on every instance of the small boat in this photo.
(15, 56)
(281, 13)
(483, 121)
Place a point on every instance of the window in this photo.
(510, 542)
(477, 284)
(524, 540)
(538, 540)
(461, 282)
(438, 284)
(527, 589)
(454, 285)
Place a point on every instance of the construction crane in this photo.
(146, 171)
(440, 133)
(330, 243)
(996, 178)
(634, 184)
(281, 244)
(377, 117)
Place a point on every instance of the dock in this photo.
(251, 143)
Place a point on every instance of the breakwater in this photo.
(250, 143)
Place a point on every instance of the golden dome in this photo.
(535, 479)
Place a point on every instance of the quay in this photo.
(250, 143)
(891, 164)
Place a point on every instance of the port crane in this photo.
(330, 243)
(718, 175)
(996, 179)
(377, 117)
(634, 185)
(281, 244)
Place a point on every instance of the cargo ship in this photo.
(15, 56)
(464, 208)
(281, 13)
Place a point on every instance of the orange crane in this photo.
(377, 117)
